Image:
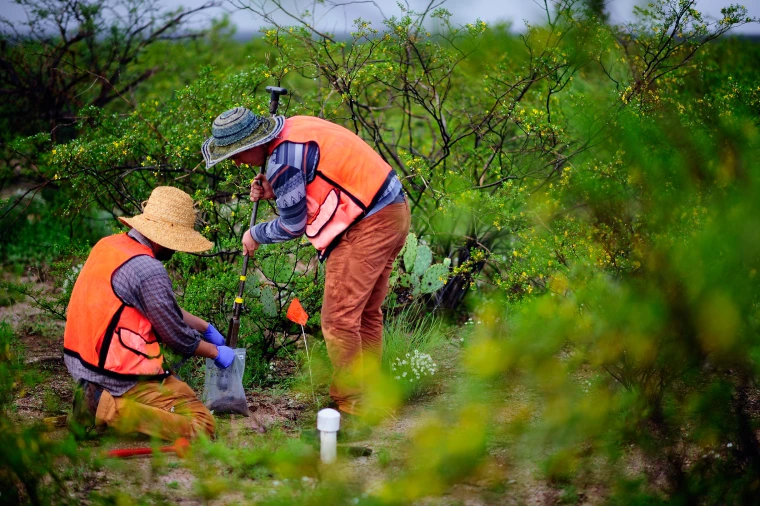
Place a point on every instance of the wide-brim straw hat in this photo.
(168, 219)
(237, 130)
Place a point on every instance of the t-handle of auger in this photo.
(274, 98)
(275, 93)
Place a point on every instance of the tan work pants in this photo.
(356, 284)
(165, 409)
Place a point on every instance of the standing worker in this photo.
(123, 309)
(332, 186)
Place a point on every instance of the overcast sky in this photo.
(464, 11)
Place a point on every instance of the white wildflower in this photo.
(413, 367)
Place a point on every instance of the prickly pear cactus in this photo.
(405, 280)
(416, 288)
(434, 278)
(417, 275)
(410, 252)
(423, 260)
(394, 273)
(252, 290)
(268, 301)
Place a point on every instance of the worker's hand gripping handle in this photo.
(234, 327)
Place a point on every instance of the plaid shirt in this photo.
(143, 282)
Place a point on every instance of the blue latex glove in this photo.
(225, 357)
(213, 336)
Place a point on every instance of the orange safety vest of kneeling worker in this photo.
(349, 179)
(102, 331)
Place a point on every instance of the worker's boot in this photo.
(86, 399)
(353, 428)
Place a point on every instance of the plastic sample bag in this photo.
(223, 391)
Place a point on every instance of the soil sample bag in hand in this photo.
(223, 391)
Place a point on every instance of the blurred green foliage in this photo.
(29, 462)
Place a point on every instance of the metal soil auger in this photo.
(223, 391)
(234, 327)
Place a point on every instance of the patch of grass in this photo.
(384, 457)
(9, 297)
(42, 327)
(412, 330)
(412, 342)
(560, 467)
(313, 375)
(11, 365)
(52, 402)
(33, 376)
(569, 495)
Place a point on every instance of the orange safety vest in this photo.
(102, 331)
(349, 179)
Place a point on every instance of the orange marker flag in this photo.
(296, 312)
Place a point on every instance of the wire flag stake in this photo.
(297, 314)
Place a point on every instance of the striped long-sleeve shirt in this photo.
(291, 167)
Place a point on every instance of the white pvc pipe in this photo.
(328, 446)
(328, 424)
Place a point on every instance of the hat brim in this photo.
(213, 153)
(168, 235)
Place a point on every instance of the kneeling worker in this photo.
(123, 309)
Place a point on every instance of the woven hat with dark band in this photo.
(237, 130)
(168, 219)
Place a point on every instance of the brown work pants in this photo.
(165, 409)
(356, 284)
